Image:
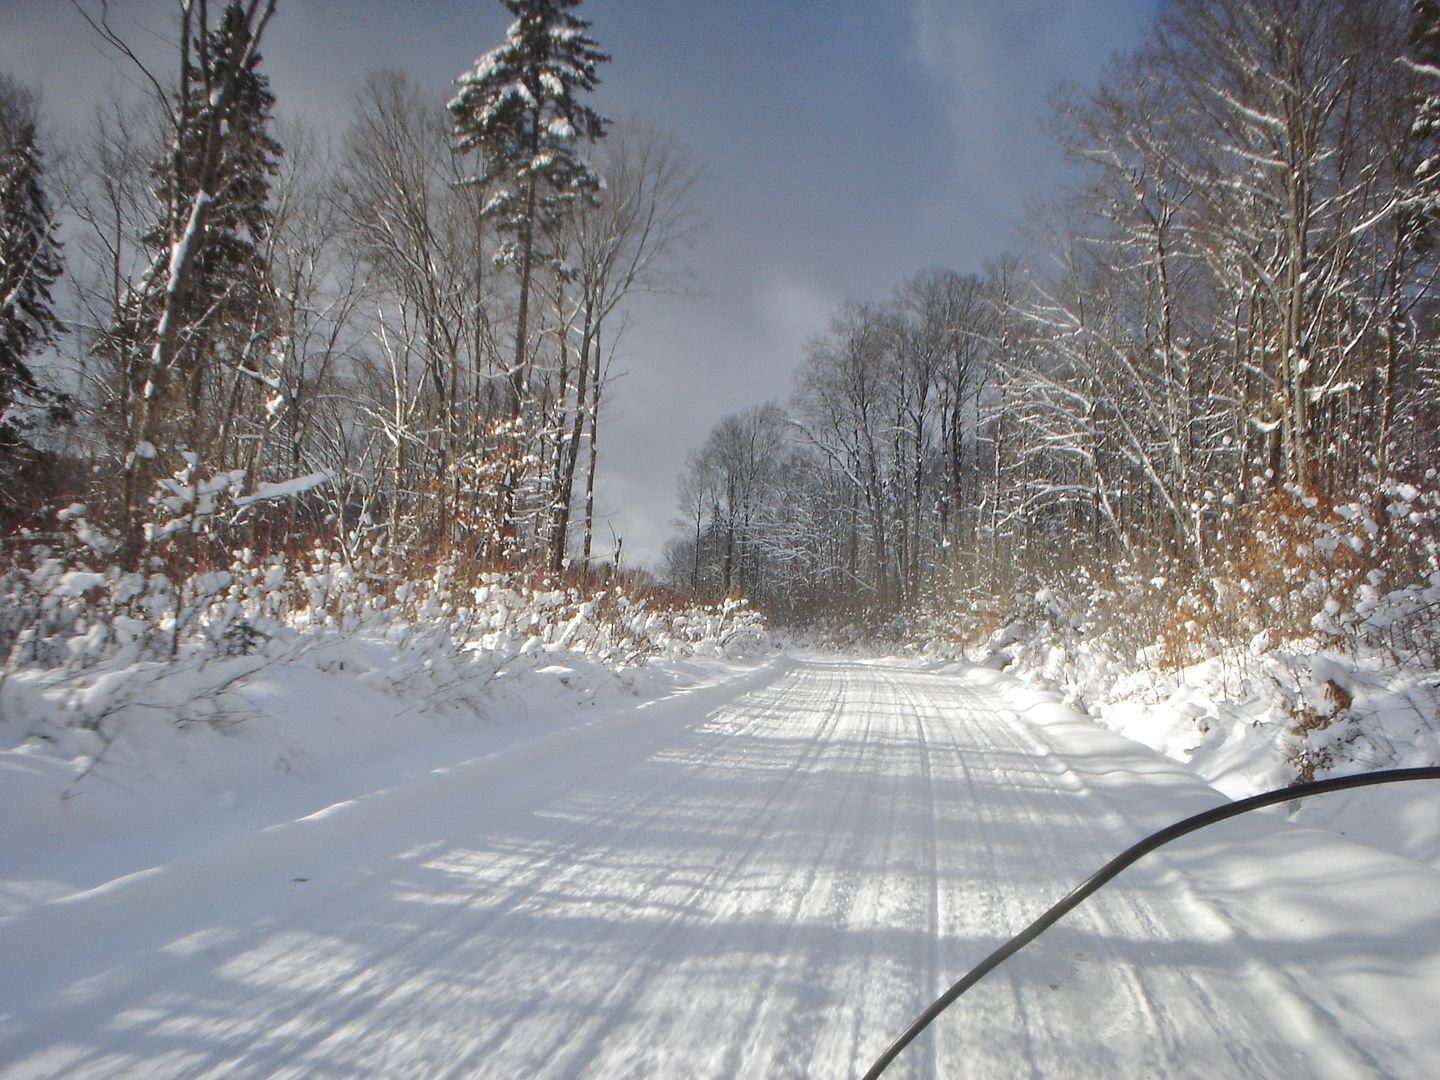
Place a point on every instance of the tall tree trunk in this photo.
(594, 452)
(565, 494)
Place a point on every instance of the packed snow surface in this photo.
(767, 874)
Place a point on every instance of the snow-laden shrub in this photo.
(70, 623)
(1313, 631)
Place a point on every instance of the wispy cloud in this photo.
(997, 65)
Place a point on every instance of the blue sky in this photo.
(844, 146)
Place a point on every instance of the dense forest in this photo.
(1201, 406)
(412, 321)
(1204, 403)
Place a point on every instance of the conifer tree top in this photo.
(29, 251)
(519, 105)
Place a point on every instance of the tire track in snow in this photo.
(784, 1039)
(579, 868)
(774, 887)
(927, 1045)
(757, 829)
(1124, 1002)
(985, 910)
(274, 1020)
(1148, 906)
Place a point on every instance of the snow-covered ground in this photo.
(706, 869)
(1252, 719)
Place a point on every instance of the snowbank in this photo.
(140, 720)
(1258, 718)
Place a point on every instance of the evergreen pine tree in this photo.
(519, 107)
(198, 300)
(29, 260)
(213, 185)
(1424, 59)
(225, 151)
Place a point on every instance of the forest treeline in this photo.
(393, 342)
(1218, 351)
(1206, 396)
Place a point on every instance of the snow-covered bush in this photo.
(78, 630)
(1312, 633)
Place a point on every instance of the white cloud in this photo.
(635, 511)
(691, 365)
(791, 310)
(997, 64)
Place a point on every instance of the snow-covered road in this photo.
(764, 883)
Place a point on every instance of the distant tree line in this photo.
(1236, 307)
(397, 340)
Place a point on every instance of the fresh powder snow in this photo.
(707, 868)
